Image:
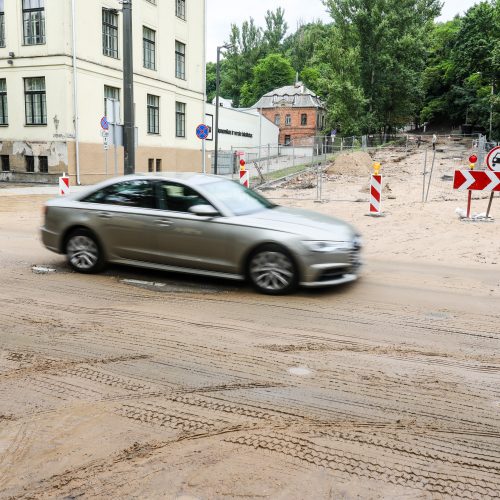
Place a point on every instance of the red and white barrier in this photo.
(63, 185)
(376, 195)
(244, 177)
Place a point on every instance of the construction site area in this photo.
(142, 384)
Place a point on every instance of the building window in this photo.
(180, 119)
(158, 165)
(288, 140)
(277, 120)
(43, 164)
(4, 114)
(149, 47)
(113, 94)
(303, 119)
(30, 164)
(180, 8)
(288, 119)
(180, 60)
(34, 22)
(153, 114)
(2, 24)
(110, 33)
(35, 101)
(151, 165)
(5, 163)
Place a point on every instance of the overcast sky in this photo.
(223, 13)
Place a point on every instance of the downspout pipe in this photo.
(75, 94)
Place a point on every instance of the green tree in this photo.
(272, 72)
(391, 38)
(275, 30)
(211, 80)
(247, 47)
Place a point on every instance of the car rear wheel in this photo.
(272, 270)
(83, 252)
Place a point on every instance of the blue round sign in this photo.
(104, 123)
(202, 131)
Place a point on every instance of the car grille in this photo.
(333, 274)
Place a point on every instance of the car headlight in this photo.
(325, 246)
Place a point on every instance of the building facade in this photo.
(53, 92)
(297, 111)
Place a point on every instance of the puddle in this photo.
(300, 371)
(43, 270)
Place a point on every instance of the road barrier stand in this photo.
(64, 185)
(480, 180)
(376, 192)
(244, 174)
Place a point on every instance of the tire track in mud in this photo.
(158, 415)
(409, 448)
(369, 468)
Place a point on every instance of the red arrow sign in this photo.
(476, 180)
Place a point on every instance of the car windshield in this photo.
(238, 199)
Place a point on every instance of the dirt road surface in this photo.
(132, 384)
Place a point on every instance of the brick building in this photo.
(296, 110)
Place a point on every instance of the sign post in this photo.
(493, 163)
(105, 138)
(202, 132)
(480, 180)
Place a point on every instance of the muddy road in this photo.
(133, 384)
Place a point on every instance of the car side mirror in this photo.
(203, 211)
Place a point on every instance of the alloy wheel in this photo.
(83, 253)
(272, 271)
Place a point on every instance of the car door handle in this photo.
(164, 222)
(104, 215)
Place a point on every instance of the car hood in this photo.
(312, 225)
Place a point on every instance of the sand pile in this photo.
(356, 164)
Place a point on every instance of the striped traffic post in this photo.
(376, 192)
(63, 185)
(244, 174)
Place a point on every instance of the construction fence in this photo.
(270, 161)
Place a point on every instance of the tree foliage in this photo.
(379, 65)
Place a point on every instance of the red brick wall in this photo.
(295, 130)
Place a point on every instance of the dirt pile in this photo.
(357, 164)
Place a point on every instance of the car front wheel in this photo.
(83, 252)
(272, 270)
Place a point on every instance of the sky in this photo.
(222, 13)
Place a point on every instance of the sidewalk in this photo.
(44, 189)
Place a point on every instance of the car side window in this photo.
(138, 193)
(178, 198)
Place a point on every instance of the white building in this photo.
(39, 79)
(241, 129)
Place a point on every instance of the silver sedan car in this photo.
(204, 225)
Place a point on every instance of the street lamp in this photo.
(128, 90)
(217, 90)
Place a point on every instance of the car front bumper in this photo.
(322, 270)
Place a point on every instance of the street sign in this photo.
(476, 180)
(104, 123)
(202, 131)
(105, 133)
(493, 159)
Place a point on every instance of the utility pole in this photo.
(217, 104)
(128, 90)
